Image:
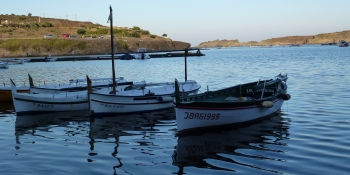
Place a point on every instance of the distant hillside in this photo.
(314, 39)
(15, 26)
(22, 35)
(21, 26)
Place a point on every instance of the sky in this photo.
(197, 21)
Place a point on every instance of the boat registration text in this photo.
(202, 116)
(40, 105)
(111, 105)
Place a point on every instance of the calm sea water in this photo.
(310, 136)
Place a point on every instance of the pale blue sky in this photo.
(196, 21)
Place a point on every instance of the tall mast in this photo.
(186, 51)
(112, 47)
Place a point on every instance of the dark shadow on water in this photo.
(259, 141)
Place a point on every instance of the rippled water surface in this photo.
(310, 136)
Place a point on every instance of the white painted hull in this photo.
(140, 57)
(101, 102)
(50, 59)
(41, 103)
(188, 119)
(115, 104)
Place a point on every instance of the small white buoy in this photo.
(267, 104)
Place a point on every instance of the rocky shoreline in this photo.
(12, 48)
(334, 37)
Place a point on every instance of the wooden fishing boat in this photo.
(141, 54)
(78, 100)
(234, 105)
(139, 97)
(44, 103)
(72, 86)
(136, 99)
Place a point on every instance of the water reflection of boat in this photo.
(48, 119)
(255, 142)
(144, 126)
(131, 124)
(29, 124)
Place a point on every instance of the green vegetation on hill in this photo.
(23, 35)
(21, 26)
(44, 45)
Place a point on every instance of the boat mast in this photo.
(186, 51)
(112, 47)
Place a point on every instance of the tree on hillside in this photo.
(29, 14)
(136, 28)
(136, 34)
(47, 24)
(145, 32)
(81, 31)
(165, 35)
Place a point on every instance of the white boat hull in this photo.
(142, 97)
(42, 103)
(189, 119)
(142, 57)
(114, 104)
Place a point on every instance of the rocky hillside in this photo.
(22, 35)
(45, 47)
(315, 39)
